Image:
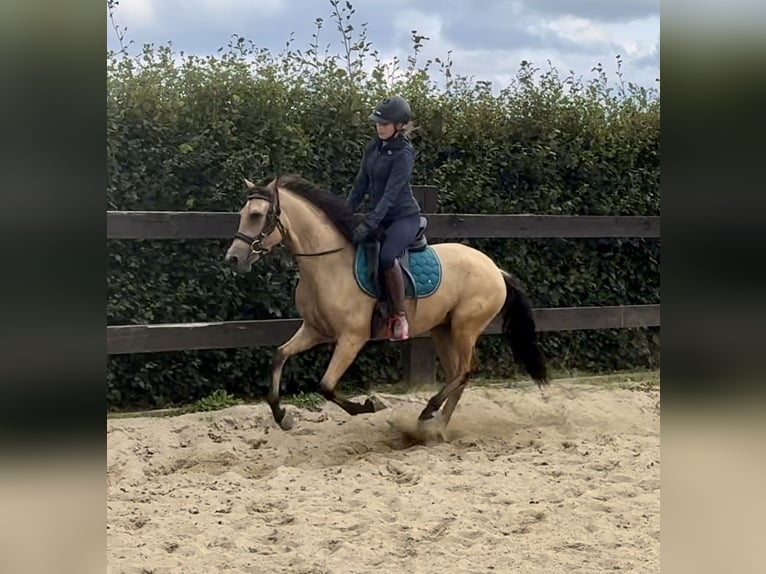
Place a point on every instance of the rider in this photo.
(385, 176)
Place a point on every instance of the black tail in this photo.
(519, 330)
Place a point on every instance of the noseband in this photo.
(272, 222)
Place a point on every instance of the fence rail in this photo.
(419, 356)
(215, 225)
(128, 339)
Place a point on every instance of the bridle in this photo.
(272, 222)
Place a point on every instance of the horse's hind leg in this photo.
(445, 350)
(466, 354)
(452, 401)
(436, 401)
(455, 349)
(344, 354)
(441, 336)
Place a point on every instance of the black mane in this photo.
(333, 205)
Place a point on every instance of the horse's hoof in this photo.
(287, 422)
(375, 404)
(433, 427)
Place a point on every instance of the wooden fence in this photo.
(419, 357)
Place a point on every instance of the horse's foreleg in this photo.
(344, 354)
(304, 339)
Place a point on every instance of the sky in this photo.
(488, 39)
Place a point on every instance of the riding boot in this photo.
(398, 328)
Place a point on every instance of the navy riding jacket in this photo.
(385, 176)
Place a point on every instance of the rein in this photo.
(273, 222)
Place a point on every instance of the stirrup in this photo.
(400, 321)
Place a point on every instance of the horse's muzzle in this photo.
(237, 263)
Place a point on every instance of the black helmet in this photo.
(393, 110)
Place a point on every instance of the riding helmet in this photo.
(394, 110)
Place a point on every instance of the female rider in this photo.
(385, 176)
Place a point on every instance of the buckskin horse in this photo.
(464, 291)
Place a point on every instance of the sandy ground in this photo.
(523, 485)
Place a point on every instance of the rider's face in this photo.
(386, 131)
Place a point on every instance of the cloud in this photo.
(136, 13)
(489, 48)
(598, 10)
(488, 40)
(576, 30)
(227, 7)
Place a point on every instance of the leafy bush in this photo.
(182, 132)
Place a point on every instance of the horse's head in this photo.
(260, 228)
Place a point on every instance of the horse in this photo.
(316, 225)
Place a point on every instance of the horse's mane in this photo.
(333, 205)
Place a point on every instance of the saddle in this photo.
(375, 277)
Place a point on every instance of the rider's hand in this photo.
(362, 232)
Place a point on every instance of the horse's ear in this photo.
(249, 184)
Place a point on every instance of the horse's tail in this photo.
(520, 332)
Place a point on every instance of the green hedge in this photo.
(182, 132)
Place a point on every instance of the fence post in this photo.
(419, 355)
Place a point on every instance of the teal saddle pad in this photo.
(425, 267)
